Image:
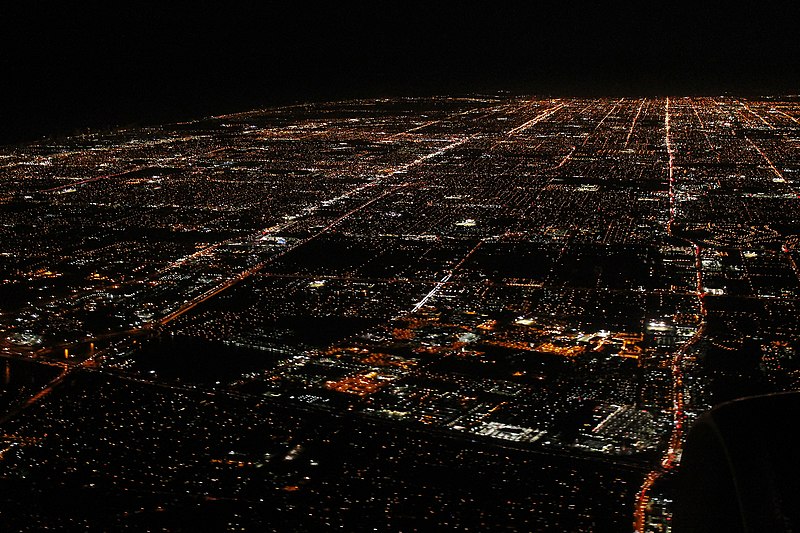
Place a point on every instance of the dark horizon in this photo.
(67, 70)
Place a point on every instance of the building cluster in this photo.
(318, 313)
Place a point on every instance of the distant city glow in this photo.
(485, 311)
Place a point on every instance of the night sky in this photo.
(70, 67)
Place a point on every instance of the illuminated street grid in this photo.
(281, 316)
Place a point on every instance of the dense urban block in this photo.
(473, 313)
